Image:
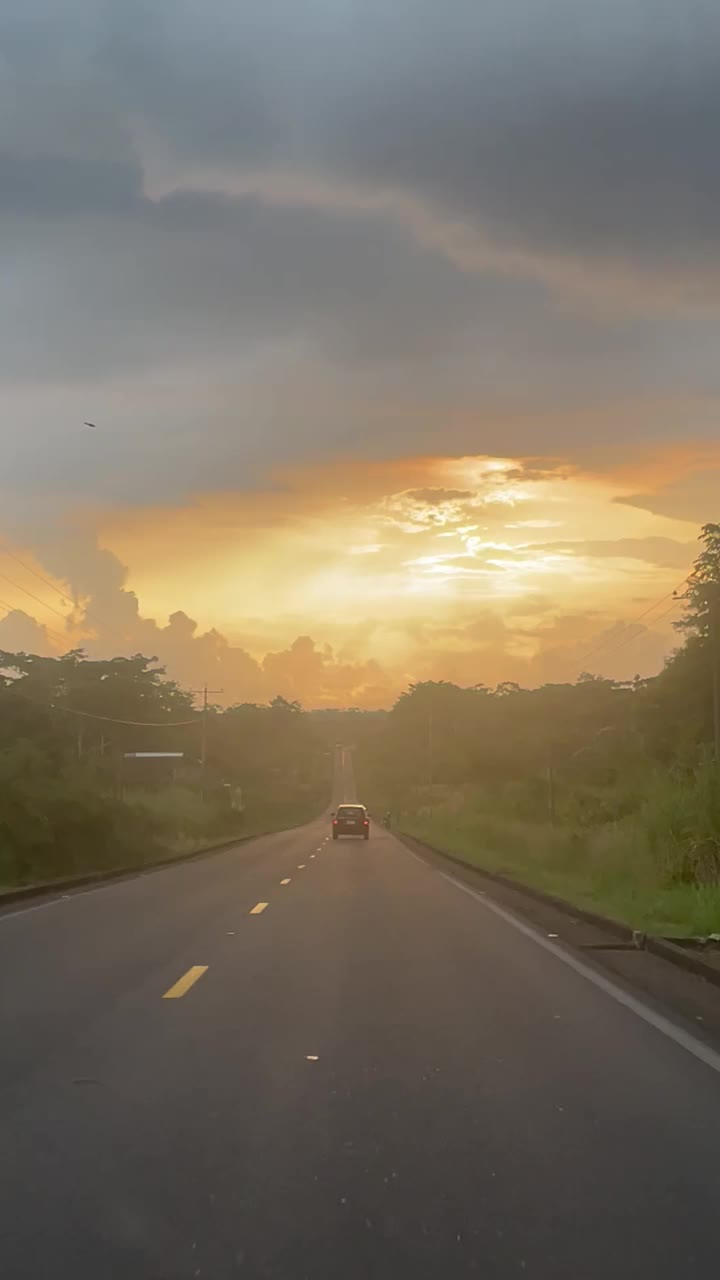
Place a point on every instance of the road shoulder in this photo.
(673, 991)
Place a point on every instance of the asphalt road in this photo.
(374, 1076)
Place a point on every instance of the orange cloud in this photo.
(337, 585)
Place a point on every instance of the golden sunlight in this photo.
(489, 553)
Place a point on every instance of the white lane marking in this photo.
(27, 911)
(301, 866)
(65, 897)
(701, 1051)
(417, 857)
(107, 886)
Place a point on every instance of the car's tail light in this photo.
(366, 823)
(334, 822)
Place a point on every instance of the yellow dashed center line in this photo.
(259, 908)
(285, 881)
(188, 980)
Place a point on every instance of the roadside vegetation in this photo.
(74, 799)
(605, 794)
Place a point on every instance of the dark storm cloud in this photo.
(564, 125)
(560, 124)
(208, 335)
(50, 187)
(299, 326)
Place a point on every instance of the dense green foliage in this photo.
(601, 791)
(71, 802)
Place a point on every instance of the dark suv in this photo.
(351, 820)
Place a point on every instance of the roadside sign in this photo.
(154, 755)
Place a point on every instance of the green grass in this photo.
(654, 869)
(150, 826)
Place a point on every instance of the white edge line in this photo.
(422, 861)
(703, 1052)
(78, 892)
(26, 911)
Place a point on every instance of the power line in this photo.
(43, 603)
(13, 608)
(665, 612)
(90, 715)
(41, 578)
(137, 724)
(629, 640)
(32, 596)
(618, 641)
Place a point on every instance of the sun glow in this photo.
(353, 557)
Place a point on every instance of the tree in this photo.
(280, 704)
(88, 701)
(702, 620)
(702, 593)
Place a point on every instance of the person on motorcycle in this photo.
(386, 818)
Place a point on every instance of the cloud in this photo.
(438, 497)
(339, 585)
(389, 244)
(692, 497)
(665, 552)
(252, 232)
(548, 131)
(21, 633)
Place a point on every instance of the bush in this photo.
(682, 820)
(55, 822)
(652, 862)
(182, 814)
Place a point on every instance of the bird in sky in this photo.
(90, 424)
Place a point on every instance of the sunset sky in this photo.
(398, 322)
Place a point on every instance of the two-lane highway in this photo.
(312, 1059)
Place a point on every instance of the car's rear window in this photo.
(351, 811)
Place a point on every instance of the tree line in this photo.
(606, 792)
(85, 782)
(597, 728)
(72, 795)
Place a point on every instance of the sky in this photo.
(398, 322)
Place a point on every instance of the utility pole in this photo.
(551, 784)
(430, 758)
(203, 728)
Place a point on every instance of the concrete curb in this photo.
(51, 888)
(689, 961)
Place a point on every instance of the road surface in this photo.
(373, 1076)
